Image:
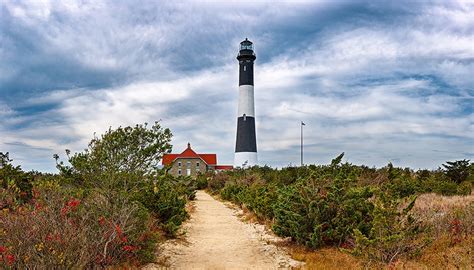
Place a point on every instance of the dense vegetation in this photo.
(110, 206)
(366, 211)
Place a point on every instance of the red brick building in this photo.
(190, 163)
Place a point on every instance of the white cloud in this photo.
(370, 90)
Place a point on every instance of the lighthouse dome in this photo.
(246, 45)
(246, 51)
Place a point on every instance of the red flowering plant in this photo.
(68, 232)
(90, 215)
(70, 206)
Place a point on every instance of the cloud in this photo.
(379, 82)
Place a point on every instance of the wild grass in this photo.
(446, 214)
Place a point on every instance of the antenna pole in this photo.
(302, 124)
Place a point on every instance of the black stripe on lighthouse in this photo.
(246, 140)
(246, 72)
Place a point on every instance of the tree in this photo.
(457, 171)
(13, 177)
(335, 162)
(120, 157)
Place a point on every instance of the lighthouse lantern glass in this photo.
(246, 46)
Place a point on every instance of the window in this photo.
(197, 164)
(188, 164)
(179, 172)
(246, 47)
(245, 68)
(179, 164)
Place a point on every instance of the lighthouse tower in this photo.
(246, 141)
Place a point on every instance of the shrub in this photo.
(255, 197)
(465, 188)
(202, 181)
(231, 191)
(334, 204)
(445, 188)
(393, 233)
(103, 210)
(166, 201)
(57, 231)
(260, 199)
(125, 161)
(402, 186)
(458, 171)
(217, 182)
(315, 213)
(14, 178)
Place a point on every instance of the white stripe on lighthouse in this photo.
(246, 103)
(245, 159)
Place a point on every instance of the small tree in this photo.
(14, 178)
(457, 171)
(120, 158)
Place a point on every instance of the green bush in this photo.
(403, 186)
(260, 199)
(231, 191)
(255, 197)
(319, 205)
(166, 201)
(216, 183)
(315, 212)
(393, 233)
(465, 188)
(125, 161)
(201, 181)
(458, 171)
(445, 188)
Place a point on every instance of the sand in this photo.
(216, 238)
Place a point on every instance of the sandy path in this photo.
(217, 239)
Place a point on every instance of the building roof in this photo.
(209, 159)
(223, 167)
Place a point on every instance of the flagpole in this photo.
(302, 124)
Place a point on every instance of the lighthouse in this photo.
(246, 141)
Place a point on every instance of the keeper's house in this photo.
(190, 163)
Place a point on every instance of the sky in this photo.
(382, 81)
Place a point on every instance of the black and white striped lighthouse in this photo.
(246, 141)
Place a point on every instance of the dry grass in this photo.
(450, 220)
(439, 255)
(439, 213)
(438, 203)
(325, 258)
(442, 254)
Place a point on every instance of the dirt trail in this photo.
(217, 239)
